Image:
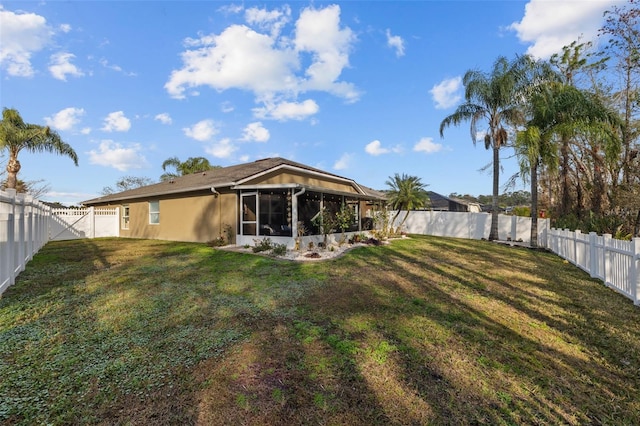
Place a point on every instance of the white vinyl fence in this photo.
(72, 224)
(27, 224)
(615, 262)
(474, 226)
(24, 229)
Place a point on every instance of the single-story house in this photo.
(272, 197)
(438, 202)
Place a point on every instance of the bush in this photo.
(262, 245)
(279, 250)
(217, 242)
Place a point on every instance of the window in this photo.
(275, 213)
(125, 217)
(248, 211)
(154, 212)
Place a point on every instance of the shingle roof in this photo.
(218, 178)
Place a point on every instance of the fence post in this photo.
(92, 222)
(593, 261)
(634, 273)
(11, 236)
(20, 237)
(514, 228)
(606, 243)
(28, 229)
(576, 255)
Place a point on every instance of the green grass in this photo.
(423, 331)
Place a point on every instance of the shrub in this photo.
(279, 250)
(262, 245)
(217, 242)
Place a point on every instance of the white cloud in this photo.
(548, 26)
(112, 154)
(61, 66)
(318, 32)
(375, 148)
(262, 61)
(237, 58)
(271, 20)
(65, 28)
(446, 94)
(85, 130)
(201, 131)
(222, 149)
(116, 68)
(116, 122)
(227, 107)
(255, 132)
(395, 42)
(427, 146)
(65, 119)
(343, 162)
(164, 118)
(287, 110)
(22, 35)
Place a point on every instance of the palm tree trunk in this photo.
(393, 221)
(13, 167)
(493, 234)
(403, 221)
(534, 205)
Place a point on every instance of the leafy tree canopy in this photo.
(126, 183)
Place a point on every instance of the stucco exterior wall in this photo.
(288, 177)
(196, 217)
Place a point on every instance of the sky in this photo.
(355, 88)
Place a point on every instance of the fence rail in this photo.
(23, 231)
(615, 262)
(27, 224)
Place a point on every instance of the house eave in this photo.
(109, 199)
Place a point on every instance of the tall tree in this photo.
(558, 112)
(126, 183)
(492, 99)
(190, 166)
(16, 135)
(575, 61)
(406, 193)
(622, 30)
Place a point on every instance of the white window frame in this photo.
(154, 212)
(125, 216)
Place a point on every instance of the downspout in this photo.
(216, 194)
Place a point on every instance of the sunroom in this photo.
(283, 213)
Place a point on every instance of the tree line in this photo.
(574, 123)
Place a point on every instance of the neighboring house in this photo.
(273, 197)
(439, 202)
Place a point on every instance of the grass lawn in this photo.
(423, 331)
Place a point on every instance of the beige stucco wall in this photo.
(289, 177)
(197, 217)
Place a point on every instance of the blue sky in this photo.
(356, 88)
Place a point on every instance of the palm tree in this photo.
(190, 166)
(557, 113)
(406, 193)
(16, 135)
(494, 99)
